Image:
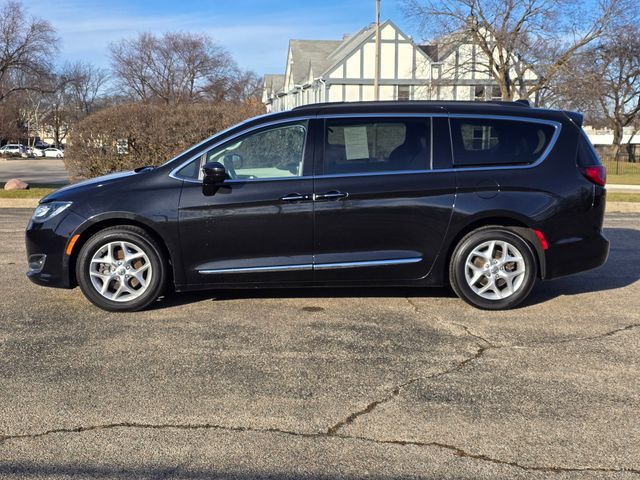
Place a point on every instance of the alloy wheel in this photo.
(495, 270)
(120, 271)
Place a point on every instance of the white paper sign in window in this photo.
(355, 142)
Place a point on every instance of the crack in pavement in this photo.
(467, 330)
(334, 431)
(370, 407)
(397, 389)
(457, 451)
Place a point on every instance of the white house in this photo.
(343, 70)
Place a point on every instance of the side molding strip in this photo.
(319, 266)
(369, 263)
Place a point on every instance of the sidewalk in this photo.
(623, 188)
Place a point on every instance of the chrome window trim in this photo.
(283, 122)
(316, 266)
(556, 125)
(554, 138)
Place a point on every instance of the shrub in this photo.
(133, 135)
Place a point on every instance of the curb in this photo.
(19, 202)
(619, 188)
(623, 207)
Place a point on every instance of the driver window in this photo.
(272, 153)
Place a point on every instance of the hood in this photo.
(70, 191)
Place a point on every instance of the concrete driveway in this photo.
(323, 384)
(48, 171)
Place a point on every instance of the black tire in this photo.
(138, 237)
(475, 239)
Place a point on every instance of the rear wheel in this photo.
(493, 268)
(121, 269)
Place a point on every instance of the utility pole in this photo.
(376, 78)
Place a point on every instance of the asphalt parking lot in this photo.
(320, 384)
(47, 171)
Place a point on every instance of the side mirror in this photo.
(214, 173)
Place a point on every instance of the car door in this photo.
(384, 196)
(257, 226)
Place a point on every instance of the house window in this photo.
(496, 94)
(479, 94)
(404, 92)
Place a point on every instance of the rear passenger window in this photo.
(487, 141)
(353, 146)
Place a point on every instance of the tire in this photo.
(123, 289)
(483, 277)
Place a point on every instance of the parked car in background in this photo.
(53, 152)
(13, 149)
(35, 152)
(485, 196)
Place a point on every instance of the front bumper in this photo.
(50, 238)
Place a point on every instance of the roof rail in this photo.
(523, 101)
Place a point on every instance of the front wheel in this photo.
(121, 269)
(493, 268)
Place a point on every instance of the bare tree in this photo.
(86, 88)
(11, 124)
(66, 97)
(58, 112)
(525, 44)
(605, 82)
(27, 46)
(173, 68)
(237, 86)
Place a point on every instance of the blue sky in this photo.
(255, 32)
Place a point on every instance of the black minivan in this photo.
(485, 196)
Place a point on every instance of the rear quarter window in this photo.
(488, 141)
(587, 155)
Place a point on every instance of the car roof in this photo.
(517, 108)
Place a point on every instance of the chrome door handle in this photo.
(330, 195)
(294, 197)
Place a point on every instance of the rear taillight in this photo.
(596, 173)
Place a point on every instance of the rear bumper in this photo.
(577, 254)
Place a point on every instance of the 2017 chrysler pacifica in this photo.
(485, 196)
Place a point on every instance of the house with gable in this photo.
(343, 70)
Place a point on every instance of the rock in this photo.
(16, 184)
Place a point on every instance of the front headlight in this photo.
(46, 211)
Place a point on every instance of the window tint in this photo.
(275, 152)
(587, 155)
(489, 141)
(353, 146)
